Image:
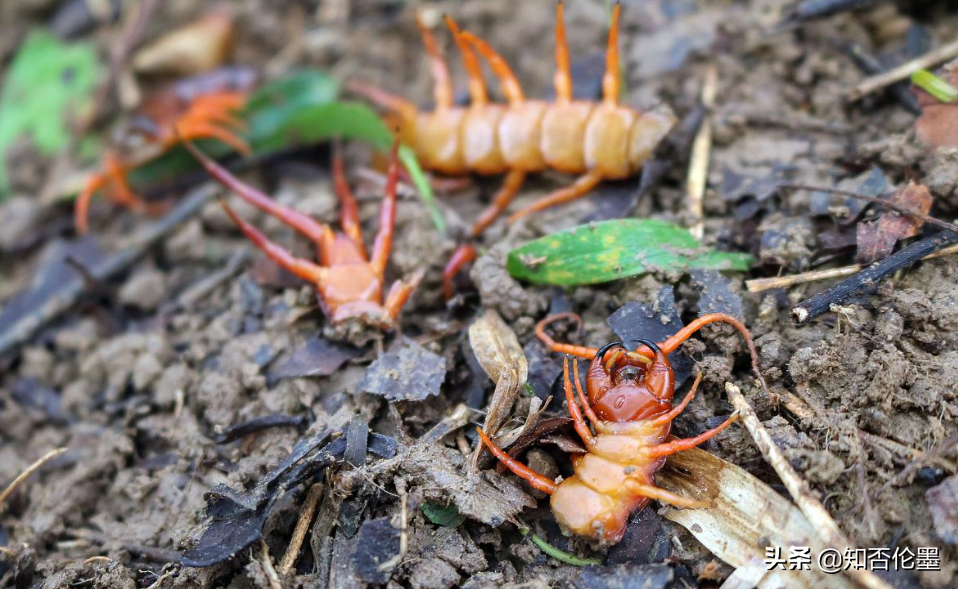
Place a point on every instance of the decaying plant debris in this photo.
(212, 437)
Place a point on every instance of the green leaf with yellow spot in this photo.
(609, 250)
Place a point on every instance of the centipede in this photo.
(628, 403)
(593, 140)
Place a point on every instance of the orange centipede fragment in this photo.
(595, 140)
(349, 281)
(628, 402)
(199, 107)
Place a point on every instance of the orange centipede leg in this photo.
(507, 79)
(675, 446)
(463, 255)
(582, 397)
(661, 494)
(563, 75)
(545, 338)
(581, 427)
(81, 208)
(678, 409)
(535, 479)
(440, 70)
(349, 213)
(500, 201)
(318, 232)
(387, 215)
(610, 81)
(580, 188)
(399, 293)
(477, 85)
(190, 129)
(298, 266)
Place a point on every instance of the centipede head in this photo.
(626, 386)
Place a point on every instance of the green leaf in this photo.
(443, 515)
(560, 555)
(609, 250)
(46, 83)
(271, 129)
(935, 86)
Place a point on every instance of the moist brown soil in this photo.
(137, 384)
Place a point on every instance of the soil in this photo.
(140, 381)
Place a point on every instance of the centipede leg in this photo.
(387, 215)
(511, 88)
(500, 201)
(440, 70)
(81, 207)
(610, 81)
(463, 255)
(538, 481)
(661, 494)
(563, 75)
(477, 85)
(349, 211)
(678, 409)
(399, 293)
(581, 427)
(586, 407)
(318, 232)
(580, 188)
(676, 446)
(298, 266)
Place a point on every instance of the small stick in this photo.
(823, 524)
(26, 473)
(878, 201)
(701, 149)
(27, 326)
(871, 66)
(905, 70)
(760, 284)
(871, 276)
(302, 527)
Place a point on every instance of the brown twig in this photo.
(828, 531)
(26, 474)
(934, 57)
(302, 527)
(701, 149)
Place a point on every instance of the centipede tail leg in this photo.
(611, 83)
(580, 188)
(462, 256)
(535, 479)
(661, 494)
(349, 214)
(500, 201)
(676, 446)
(581, 427)
(563, 75)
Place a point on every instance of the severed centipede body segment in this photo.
(595, 140)
(628, 402)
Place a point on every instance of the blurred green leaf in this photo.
(443, 515)
(935, 86)
(302, 109)
(601, 252)
(45, 83)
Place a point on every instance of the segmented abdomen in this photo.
(597, 500)
(572, 137)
